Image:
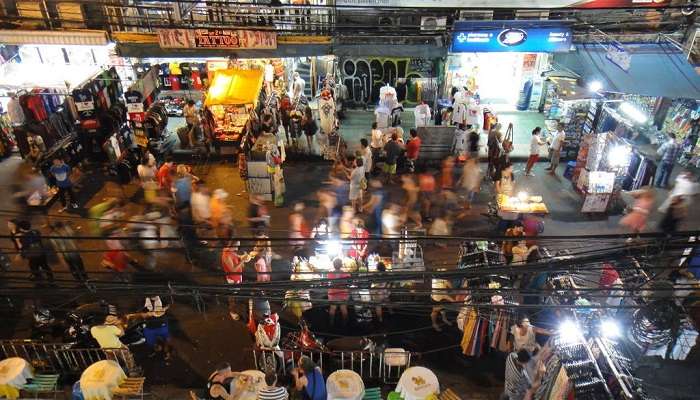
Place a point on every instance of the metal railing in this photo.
(287, 19)
(387, 366)
(59, 358)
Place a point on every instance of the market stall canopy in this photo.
(235, 86)
(658, 70)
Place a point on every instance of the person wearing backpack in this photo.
(34, 252)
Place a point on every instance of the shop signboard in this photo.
(509, 36)
(216, 39)
(505, 3)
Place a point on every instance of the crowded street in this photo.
(289, 201)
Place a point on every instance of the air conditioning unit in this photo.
(541, 15)
(433, 23)
(476, 15)
(71, 15)
(389, 21)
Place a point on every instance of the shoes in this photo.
(74, 205)
(529, 174)
(62, 209)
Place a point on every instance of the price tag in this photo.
(134, 107)
(85, 105)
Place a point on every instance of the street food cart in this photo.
(522, 203)
(232, 98)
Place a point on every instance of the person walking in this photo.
(555, 149)
(60, 171)
(459, 142)
(393, 151)
(470, 181)
(309, 126)
(669, 154)
(338, 296)
(636, 220)
(380, 293)
(535, 143)
(32, 250)
(493, 145)
(67, 250)
(413, 149)
(473, 139)
(367, 157)
(358, 183)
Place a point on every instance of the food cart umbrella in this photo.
(235, 87)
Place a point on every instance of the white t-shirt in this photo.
(474, 115)
(367, 159)
(390, 223)
(200, 206)
(377, 139)
(422, 114)
(535, 144)
(269, 73)
(558, 140)
(459, 113)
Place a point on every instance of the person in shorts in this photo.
(393, 150)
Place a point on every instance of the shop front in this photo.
(627, 108)
(501, 62)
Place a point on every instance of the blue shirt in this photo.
(183, 190)
(316, 386)
(62, 175)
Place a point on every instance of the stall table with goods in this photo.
(521, 204)
(100, 379)
(247, 384)
(232, 97)
(345, 384)
(14, 373)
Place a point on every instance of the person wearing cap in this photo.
(309, 380)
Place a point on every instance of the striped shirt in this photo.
(516, 384)
(273, 393)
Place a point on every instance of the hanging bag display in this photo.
(508, 139)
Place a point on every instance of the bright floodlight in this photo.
(569, 332)
(522, 196)
(619, 156)
(633, 112)
(595, 86)
(610, 329)
(334, 248)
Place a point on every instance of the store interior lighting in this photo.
(569, 332)
(619, 156)
(633, 112)
(595, 86)
(610, 329)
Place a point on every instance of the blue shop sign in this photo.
(513, 39)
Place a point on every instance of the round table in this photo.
(99, 380)
(14, 373)
(345, 384)
(418, 383)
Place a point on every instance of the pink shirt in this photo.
(262, 270)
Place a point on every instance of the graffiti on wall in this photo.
(365, 76)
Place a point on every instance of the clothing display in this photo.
(326, 113)
(422, 115)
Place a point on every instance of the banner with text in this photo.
(216, 39)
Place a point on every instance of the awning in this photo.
(235, 86)
(81, 37)
(658, 70)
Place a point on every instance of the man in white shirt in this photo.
(535, 144)
(366, 156)
(555, 149)
(376, 141)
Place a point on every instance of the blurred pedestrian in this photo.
(413, 149)
(675, 213)
(447, 177)
(470, 181)
(220, 213)
(380, 292)
(375, 205)
(426, 184)
(32, 249)
(440, 295)
(358, 183)
(504, 181)
(685, 185)
(636, 220)
(507, 246)
(67, 250)
(669, 152)
(493, 144)
(412, 206)
(309, 126)
(338, 296)
(164, 174)
(473, 139)
(459, 142)
(359, 236)
(258, 216)
(298, 227)
(367, 157)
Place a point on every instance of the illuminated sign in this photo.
(505, 38)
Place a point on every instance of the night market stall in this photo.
(232, 99)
